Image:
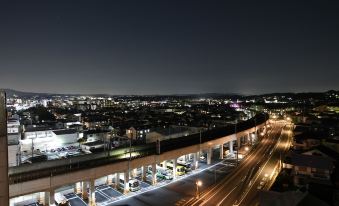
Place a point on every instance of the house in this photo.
(309, 167)
(138, 132)
(307, 140)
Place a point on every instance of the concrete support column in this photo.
(4, 190)
(209, 156)
(250, 138)
(117, 179)
(239, 142)
(231, 146)
(51, 197)
(195, 161)
(126, 180)
(45, 198)
(77, 188)
(84, 190)
(144, 170)
(109, 180)
(174, 168)
(154, 174)
(91, 199)
(134, 172)
(222, 151)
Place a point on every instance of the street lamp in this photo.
(198, 183)
(247, 148)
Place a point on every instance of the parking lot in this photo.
(75, 200)
(57, 153)
(107, 194)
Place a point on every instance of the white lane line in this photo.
(275, 148)
(227, 195)
(103, 194)
(151, 188)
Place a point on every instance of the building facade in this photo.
(4, 193)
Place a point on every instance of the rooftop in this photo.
(312, 161)
(65, 131)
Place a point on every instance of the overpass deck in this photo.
(34, 171)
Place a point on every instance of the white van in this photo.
(133, 184)
(60, 199)
(164, 173)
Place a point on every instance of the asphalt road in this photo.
(266, 177)
(231, 189)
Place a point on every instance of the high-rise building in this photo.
(4, 193)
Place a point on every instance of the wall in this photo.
(3, 152)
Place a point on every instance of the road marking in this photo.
(274, 149)
(266, 140)
(151, 188)
(227, 195)
(103, 194)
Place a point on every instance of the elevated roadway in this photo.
(47, 176)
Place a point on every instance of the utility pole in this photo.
(130, 157)
(32, 148)
(199, 144)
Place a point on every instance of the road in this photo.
(240, 186)
(266, 177)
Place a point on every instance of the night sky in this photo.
(169, 47)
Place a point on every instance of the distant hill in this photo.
(11, 93)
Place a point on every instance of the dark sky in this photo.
(167, 47)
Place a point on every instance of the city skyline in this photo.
(169, 47)
(185, 103)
